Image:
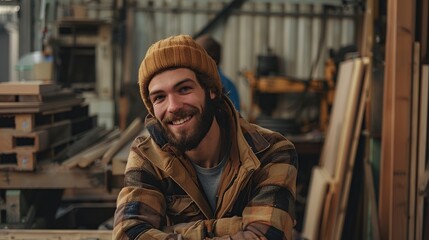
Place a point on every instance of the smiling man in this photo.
(204, 172)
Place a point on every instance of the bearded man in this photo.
(204, 172)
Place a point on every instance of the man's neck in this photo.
(207, 154)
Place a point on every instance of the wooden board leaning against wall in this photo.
(335, 158)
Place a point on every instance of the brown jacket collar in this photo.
(243, 161)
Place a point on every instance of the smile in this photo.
(181, 121)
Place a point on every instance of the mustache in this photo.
(179, 114)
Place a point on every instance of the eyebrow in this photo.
(175, 86)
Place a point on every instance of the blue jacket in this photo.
(230, 89)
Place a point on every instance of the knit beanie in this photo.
(177, 52)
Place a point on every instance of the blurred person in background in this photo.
(214, 49)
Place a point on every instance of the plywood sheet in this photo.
(319, 183)
(343, 110)
(347, 157)
(337, 146)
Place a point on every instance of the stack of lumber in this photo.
(331, 181)
(112, 149)
(38, 121)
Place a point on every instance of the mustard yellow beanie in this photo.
(176, 52)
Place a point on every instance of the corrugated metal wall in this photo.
(294, 32)
(9, 35)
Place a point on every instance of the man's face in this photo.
(181, 106)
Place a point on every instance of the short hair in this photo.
(212, 47)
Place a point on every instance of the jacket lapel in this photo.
(180, 170)
(243, 162)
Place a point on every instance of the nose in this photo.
(174, 103)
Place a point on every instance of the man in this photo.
(204, 172)
(214, 49)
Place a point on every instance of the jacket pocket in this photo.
(181, 208)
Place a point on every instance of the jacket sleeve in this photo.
(270, 214)
(141, 206)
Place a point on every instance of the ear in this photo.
(212, 95)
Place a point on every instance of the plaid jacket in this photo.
(162, 198)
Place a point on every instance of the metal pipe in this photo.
(245, 12)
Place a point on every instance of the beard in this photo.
(188, 140)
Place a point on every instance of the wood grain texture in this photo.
(422, 151)
(396, 123)
(27, 88)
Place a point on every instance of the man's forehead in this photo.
(171, 78)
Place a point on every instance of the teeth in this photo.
(180, 121)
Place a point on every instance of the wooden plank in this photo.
(422, 149)
(8, 98)
(42, 178)
(285, 85)
(316, 197)
(27, 160)
(395, 148)
(337, 142)
(35, 141)
(27, 88)
(119, 161)
(424, 29)
(29, 122)
(348, 85)
(33, 107)
(414, 141)
(15, 141)
(347, 158)
(47, 97)
(44, 97)
(74, 160)
(132, 130)
(89, 157)
(87, 138)
(23, 160)
(26, 234)
(16, 208)
(369, 188)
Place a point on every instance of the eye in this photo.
(156, 98)
(185, 89)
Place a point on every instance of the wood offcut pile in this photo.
(42, 122)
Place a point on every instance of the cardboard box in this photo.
(43, 71)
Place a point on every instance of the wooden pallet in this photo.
(26, 160)
(29, 122)
(34, 141)
(44, 137)
(21, 151)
